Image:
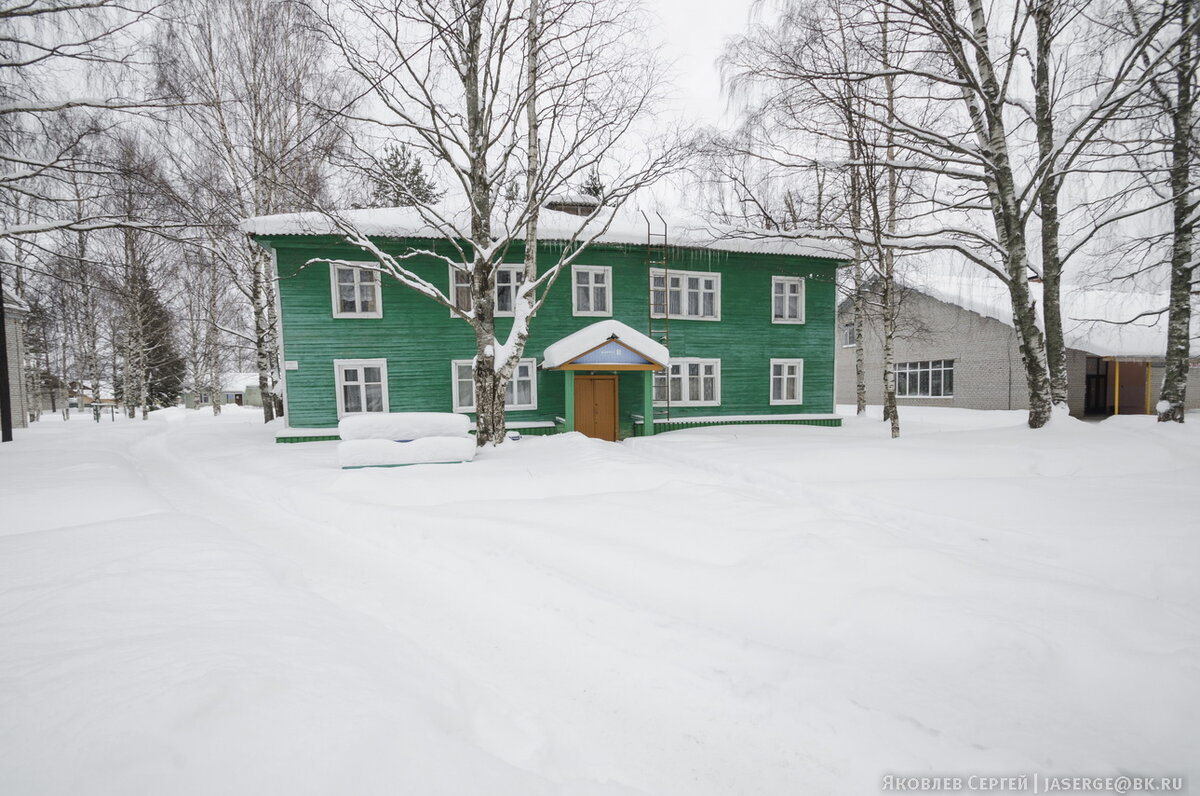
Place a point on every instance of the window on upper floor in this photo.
(848, 336)
(689, 382)
(787, 299)
(361, 385)
(592, 293)
(929, 379)
(687, 295)
(787, 381)
(508, 281)
(460, 289)
(356, 292)
(521, 392)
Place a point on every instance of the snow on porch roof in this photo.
(628, 226)
(595, 336)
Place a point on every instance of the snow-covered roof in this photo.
(627, 226)
(576, 198)
(1093, 318)
(237, 382)
(596, 335)
(11, 302)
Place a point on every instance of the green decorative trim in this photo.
(539, 431)
(569, 398)
(639, 430)
(647, 404)
(536, 431)
(831, 422)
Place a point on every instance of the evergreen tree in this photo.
(593, 185)
(398, 179)
(155, 362)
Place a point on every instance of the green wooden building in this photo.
(749, 326)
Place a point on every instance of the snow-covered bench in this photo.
(400, 438)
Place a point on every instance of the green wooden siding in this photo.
(419, 338)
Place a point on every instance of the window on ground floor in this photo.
(361, 385)
(689, 382)
(787, 381)
(521, 392)
(930, 379)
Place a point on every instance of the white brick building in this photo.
(955, 348)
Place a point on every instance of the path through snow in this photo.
(190, 608)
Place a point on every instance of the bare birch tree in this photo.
(1003, 102)
(1180, 104)
(797, 123)
(1161, 138)
(247, 138)
(58, 59)
(494, 92)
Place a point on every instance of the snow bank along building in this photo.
(649, 329)
(956, 346)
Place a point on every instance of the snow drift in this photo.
(404, 425)
(387, 453)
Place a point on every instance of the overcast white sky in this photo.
(693, 33)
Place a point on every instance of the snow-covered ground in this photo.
(188, 608)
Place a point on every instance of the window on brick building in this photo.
(930, 379)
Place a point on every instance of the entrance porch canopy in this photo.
(606, 345)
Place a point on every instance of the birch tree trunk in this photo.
(1008, 219)
(1173, 397)
(860, 364)
(888, 299)
(263, 333)
(890, 410)
(860, 287)
(1048, 193)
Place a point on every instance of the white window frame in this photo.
(519, 277)
(683, 364)
(591, 287)
(337, 301)
(798, 364)
(786, 281)
(340, 364)
(915, 368)
(671, 276)
(455, 275)
(455, 364)
(848, 334)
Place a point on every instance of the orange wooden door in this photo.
(596, 406)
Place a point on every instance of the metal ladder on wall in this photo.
(659, 329)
